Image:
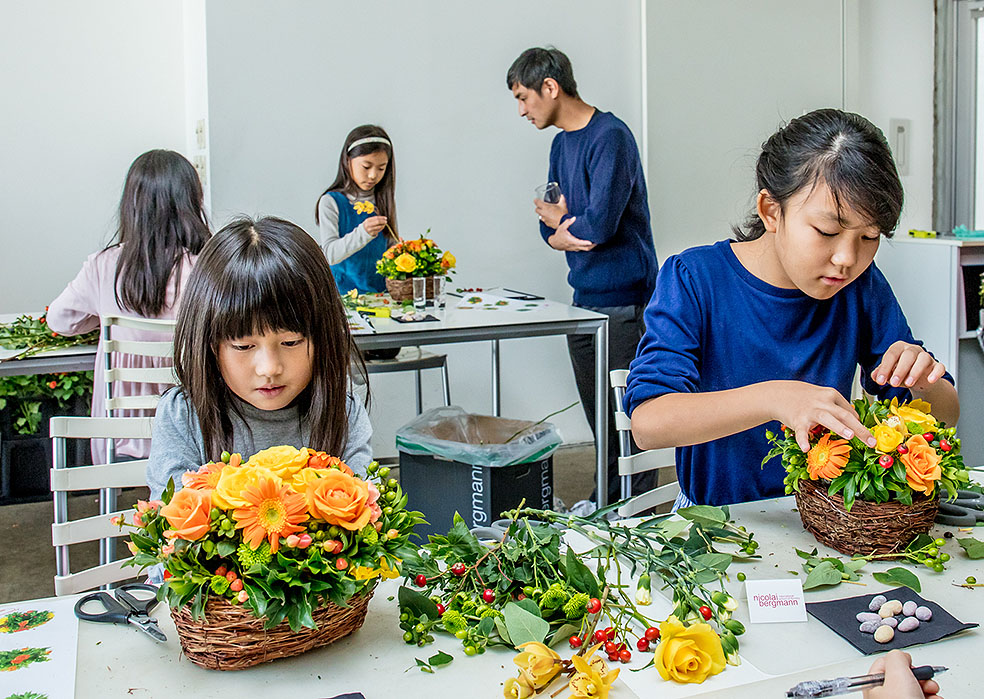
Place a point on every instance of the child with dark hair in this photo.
(601, 222)
(162, 228)
(772, 327)
(357, 208)
(262, 351)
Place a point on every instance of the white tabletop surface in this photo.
(116, 661)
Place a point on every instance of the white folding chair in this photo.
(65, 532)
(144, 375)
(414, 359)
(629, 464)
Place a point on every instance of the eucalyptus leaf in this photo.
(500, 626)
(416, 603)
(717, 561)
(972, 547)
(673, 527)
(440, 658)
(824, 574)
(563, 633)
(703, 513)
(523, 626)
(899, 576)
(529, 605)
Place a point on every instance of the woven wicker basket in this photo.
(402, 289)
(231, 638)
(870, 527)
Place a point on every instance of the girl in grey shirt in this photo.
(262, 351)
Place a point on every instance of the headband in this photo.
(370, 139)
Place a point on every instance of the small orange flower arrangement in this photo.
(282, 533)
(914, 455)
(415, 258)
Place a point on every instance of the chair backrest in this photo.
(630, 464)
(146, 348)
(65, 532)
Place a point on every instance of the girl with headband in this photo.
(356, 215)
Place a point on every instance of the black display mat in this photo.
(840, 616)
(427, 318)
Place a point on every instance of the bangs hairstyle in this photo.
(385, 190)
(536, 65)
(251, 278)
(843, 150)
(162, 218)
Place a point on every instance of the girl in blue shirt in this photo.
(771, 327)
(356, 215)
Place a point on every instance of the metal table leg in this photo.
(496, 395)
(601, 412)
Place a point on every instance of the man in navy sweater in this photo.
(601, 222)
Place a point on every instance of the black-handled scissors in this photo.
(129, 604)
(965, 511)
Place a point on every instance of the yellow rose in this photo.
(518, 687)
(284, 461)
(688, 654)
(592, 680)
(539, 661)
(303, 479)
(887, 437)
(405, 263)
(228, 493)
(916, 411)
(448, 260)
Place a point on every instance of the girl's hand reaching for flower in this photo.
(908, 365)
(802, 406)
(374, 224)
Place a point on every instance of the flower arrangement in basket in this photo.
(273, 556)
(860, 499)
(413, 258)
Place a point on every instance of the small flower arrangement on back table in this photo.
(283, 535)
(915, 459)
(415, 258)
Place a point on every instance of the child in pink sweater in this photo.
(162, 228)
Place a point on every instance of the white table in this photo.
(115, 661)
(454, 325)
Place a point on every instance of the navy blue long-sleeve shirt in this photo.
(712, 326)
(600, 174)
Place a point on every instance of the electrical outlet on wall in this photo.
(900, 140)
(201, 167)
(200, 134)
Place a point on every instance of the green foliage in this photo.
(899, 576)
(974, 548)
(25, 394)
(428, 259)
(32, 335)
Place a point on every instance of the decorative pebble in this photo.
(889, 621)
(884, 634)
(876, 602)
(890, 608)
(869, 626)
(909, 608)
(868, 616)
(924, 613)
(910, 623)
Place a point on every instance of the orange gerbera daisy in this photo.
(827, 458)
(205, 478)
(274, 511)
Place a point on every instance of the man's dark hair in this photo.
(536, 65)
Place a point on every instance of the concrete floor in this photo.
(27, 560)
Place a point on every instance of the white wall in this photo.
(722, 76)
(86, 87)
(895, 80)
(287, 82)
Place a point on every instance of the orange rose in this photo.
(922, 465)
(187, 513)
(340, 499)
(320, 459)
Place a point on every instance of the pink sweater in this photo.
(77, 310)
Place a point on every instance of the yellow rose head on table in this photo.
(914, 455)
(282, 533)
(688, 654)
(415, 258)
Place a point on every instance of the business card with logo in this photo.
(775, 601)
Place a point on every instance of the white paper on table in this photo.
(53, 678)
(485, 301)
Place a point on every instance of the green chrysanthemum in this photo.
(576, 606)
(491, 612)
(248, 557)
(453, 621)
(370, 535)
(554, 596)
